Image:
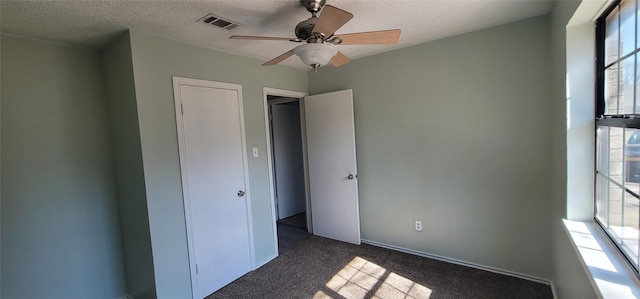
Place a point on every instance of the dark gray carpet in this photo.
(288, 236)
(316, 267)
(298, 220)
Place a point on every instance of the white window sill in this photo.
(610, 275)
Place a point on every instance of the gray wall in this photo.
(132, 200)
(155, 61)
(60, 234)
(453, 133)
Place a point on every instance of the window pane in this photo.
(632, 185)
(632, 159)
(602, 150)
(630, 229)
(602, 199)
(616, 143)
(612, 79)
(615, 210)
(627, 26)
(627, 83)
(637, 25)
(611, 40)
(637, 84)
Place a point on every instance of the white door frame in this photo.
(177, 81)
(266, 91)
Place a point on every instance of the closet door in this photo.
(213, 158)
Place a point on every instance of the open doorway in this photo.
(287, 161)
(287, 169)
(329, 160)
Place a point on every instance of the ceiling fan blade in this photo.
(279, 59)
(252, 37)
(383, 37)
(331, 18)
(339, 59)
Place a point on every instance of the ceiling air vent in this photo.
(219, 22)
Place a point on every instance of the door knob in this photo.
(350, 177)
(240, 193)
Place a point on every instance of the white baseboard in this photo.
(553, 290)
(459, 262)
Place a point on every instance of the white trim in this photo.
(283, 100)
(553, 290)
(588, 12)
(608, 272)
(177, 82)
(185, 192)
(305, 165)
(267, 91)
(603, 7)
(245, 160)
(581, 259)
(458, 262)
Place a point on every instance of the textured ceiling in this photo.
(96, 23)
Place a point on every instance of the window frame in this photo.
(620, 120)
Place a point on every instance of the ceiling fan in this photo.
(318, 33)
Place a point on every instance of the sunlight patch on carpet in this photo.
(364, 279)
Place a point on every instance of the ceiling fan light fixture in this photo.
(318, 33)
(315, 54)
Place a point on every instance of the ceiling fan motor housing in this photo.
(304, 29)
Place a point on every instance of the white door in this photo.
(331, 155)
(287, 152)
(213, 162)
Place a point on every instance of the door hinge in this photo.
(196, 268)
(181, 109)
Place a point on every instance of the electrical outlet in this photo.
(419, 225)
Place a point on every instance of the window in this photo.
(617, 142)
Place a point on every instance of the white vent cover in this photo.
(216, 21)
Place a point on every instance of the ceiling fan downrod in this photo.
(304, 29)
(313, 6)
